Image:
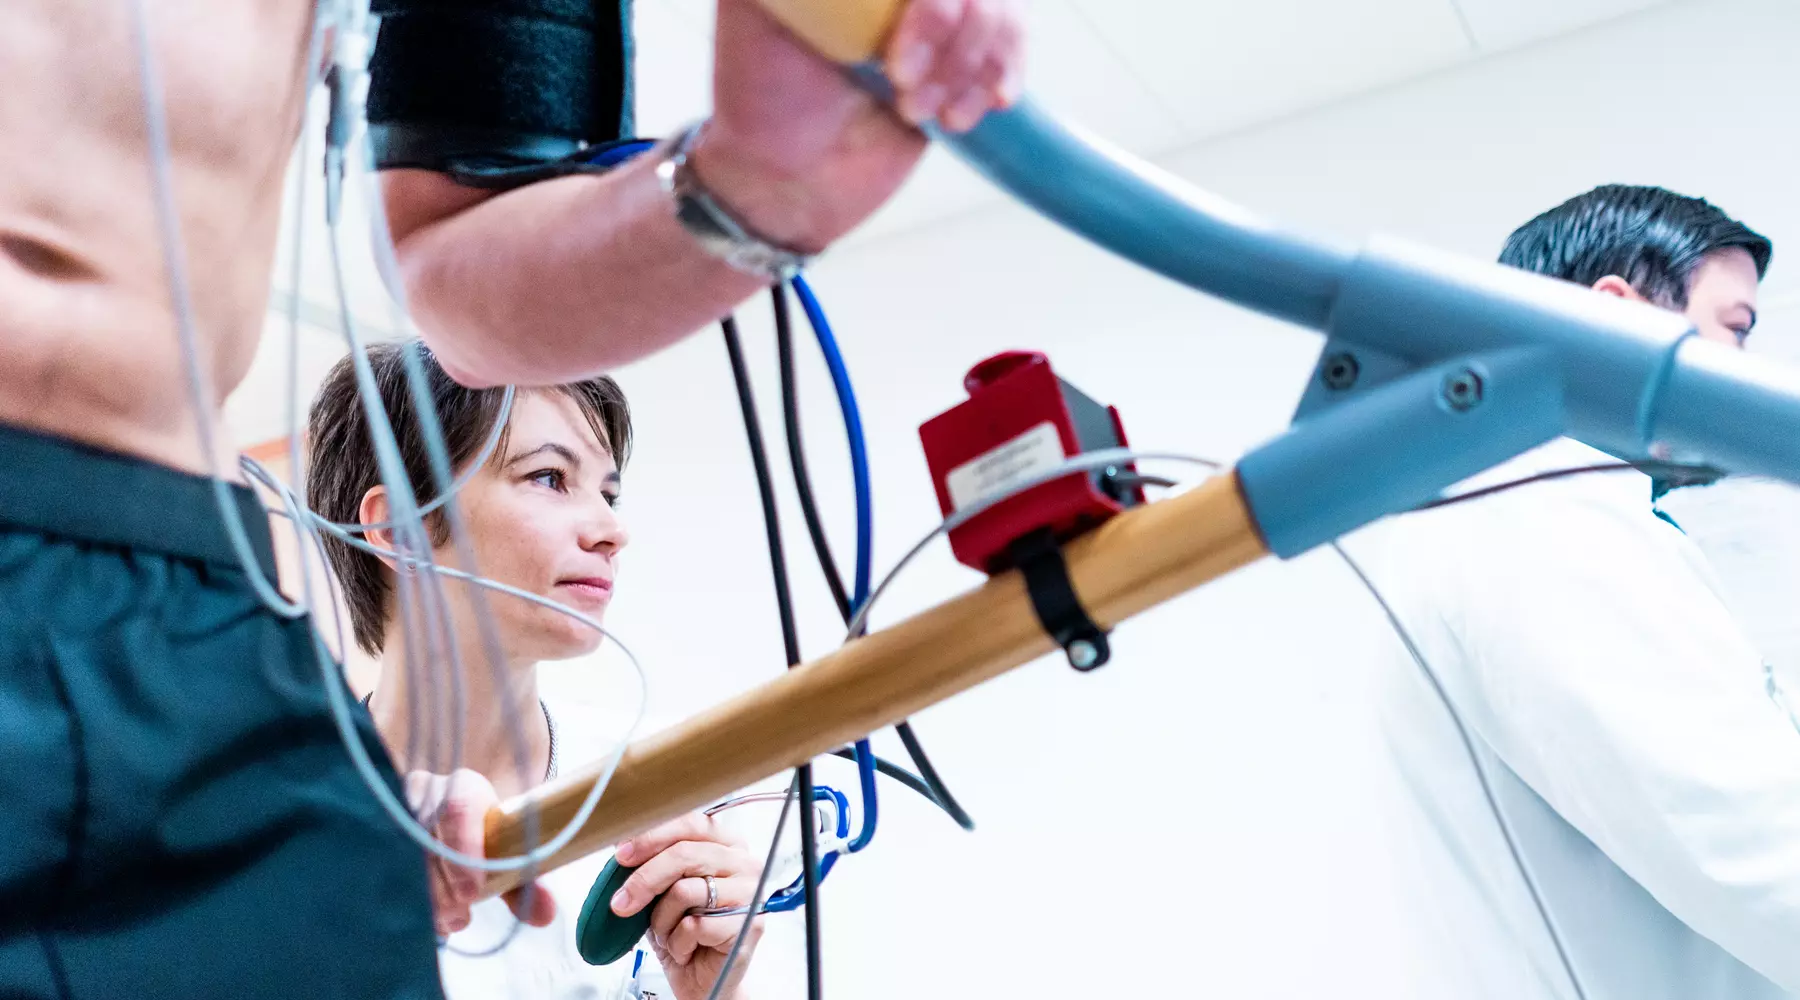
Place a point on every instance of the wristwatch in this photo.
(718, 232)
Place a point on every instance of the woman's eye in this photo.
(613, 500)
(552, 478)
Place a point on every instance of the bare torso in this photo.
(88, 343)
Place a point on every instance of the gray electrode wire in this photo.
(174, 254)
(297, 267)
(349, 55)
(317, 547)
(1088, 462)
(412, 547)
(168, 220)
(420, 629)
(309, 525)
(408, 526)
(762, 884)
(292, 510)
(1481, 775)
(410, 538)
(347, 84)
(328, 15)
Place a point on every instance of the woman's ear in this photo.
(374, 510)
(1614, 285)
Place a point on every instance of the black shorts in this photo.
(178, 817)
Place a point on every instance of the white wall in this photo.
(1193, 819)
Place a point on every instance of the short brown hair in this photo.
(1650, 236)
(343, 467)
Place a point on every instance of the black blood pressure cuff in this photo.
(498, 93)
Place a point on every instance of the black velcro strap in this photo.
(499, 82)
(1039, 560)
(479, 167)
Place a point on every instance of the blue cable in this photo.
(853, 429)
(611, 156)
(865, 518)
(794, 896)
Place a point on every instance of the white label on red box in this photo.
(1003, 468)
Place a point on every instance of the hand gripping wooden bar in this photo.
(1135, 561)
(845, 31)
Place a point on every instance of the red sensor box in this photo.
(1020, 421)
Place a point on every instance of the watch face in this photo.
(721, 235)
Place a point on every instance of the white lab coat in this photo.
(1623, 718)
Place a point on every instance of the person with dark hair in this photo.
(1652, 245)
(538, 514)
(1599, 796)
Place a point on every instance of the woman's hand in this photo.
(676, 858)
(454, 808)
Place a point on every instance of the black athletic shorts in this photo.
(178, 817)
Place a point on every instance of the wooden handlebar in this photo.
(845, 31)
(1133, 562)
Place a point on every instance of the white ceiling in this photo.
(1157, 75)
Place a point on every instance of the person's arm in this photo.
(558, 280)
(1608, 675)
(555, 281)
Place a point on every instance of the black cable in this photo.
(815, 527)
(757, 897)
(896, 772)
(803, 777)
(1701, 473)
(1132, 480)
(790, 410)
(928, 774)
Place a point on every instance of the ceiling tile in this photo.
(1076, 72)
(1070, 70)
(1504, 24)
(1224, 64)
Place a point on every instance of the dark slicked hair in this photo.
(1651, 237)
(342, 465)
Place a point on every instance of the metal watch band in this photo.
(717, 231)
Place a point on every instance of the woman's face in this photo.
(541, 518)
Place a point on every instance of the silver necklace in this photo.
(550, 722)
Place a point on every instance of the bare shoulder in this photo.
(88, 345)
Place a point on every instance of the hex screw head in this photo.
(1463, 390)
(1340, 371)
(1082, 654)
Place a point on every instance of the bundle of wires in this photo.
(849, 605)
(927, 782)
(423, 610)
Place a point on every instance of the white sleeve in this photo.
(1603, 669)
